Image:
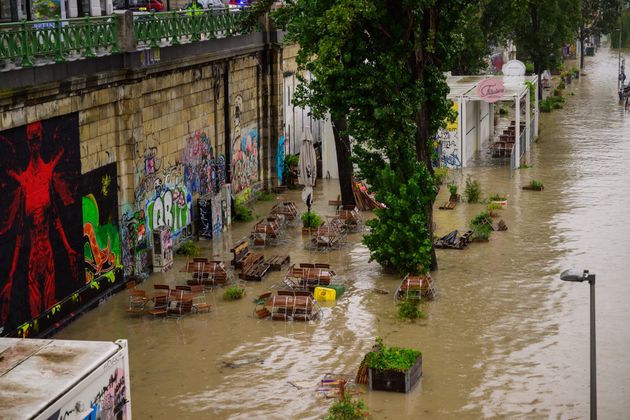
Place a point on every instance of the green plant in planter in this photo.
(492, 207)
(391, 358)
(481, 225)
(472, 190)
(452, 188)
(538, 185)
(233, 293)
(311, 220)
(497, 197)
(439, 174)
(347, 408)
(410, 309)
(189, 248)
(575, 72)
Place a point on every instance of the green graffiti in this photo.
(102, 243)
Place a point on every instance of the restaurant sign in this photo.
(490, 90)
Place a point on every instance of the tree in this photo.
(596, 17)
(541, 27)
(380, 64)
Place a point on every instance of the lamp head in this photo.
(574, 275)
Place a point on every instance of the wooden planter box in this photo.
(393, 380)
(308, 231)
(530, 188)
(502, 203)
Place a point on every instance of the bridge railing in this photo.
(29, 43)
(174, 28)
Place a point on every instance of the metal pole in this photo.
(591, 281)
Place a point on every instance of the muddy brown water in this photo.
(505, 338)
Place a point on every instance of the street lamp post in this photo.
(576, 276)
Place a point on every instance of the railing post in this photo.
(173, 26)
(26, 42)
(58, 42)
(89, 42)
(154, 31)
(124, 31)
(114, 31)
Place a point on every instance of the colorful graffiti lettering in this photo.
(171, 207)
(197, 158)
(40, 229)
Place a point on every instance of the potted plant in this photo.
(492, 207)
(393, 368)
(566, 77)
(481, 225)
(233, 293)
(452, 188)
(310, 222)
(439, 174)
(534, 185)
(472, 190)
(290, 169)
(575, 72)
(499, 199)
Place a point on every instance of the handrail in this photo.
(173, 28)
(54, 40)
(26, 43)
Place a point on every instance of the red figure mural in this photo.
(37, 177)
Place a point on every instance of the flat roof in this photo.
(466, 86)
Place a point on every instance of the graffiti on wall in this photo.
(101, 248)
(104, 400)
(40, 217)
(203, 172)
(245, 160)
(244, 151)
(447, 147)
(280, 160)
(171, 206)
(134, 241)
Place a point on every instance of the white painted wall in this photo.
(471, 127)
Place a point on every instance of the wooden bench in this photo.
(254, 267)
(243, 256)
(277, 261)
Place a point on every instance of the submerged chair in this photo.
(137, 301)
(199, 303)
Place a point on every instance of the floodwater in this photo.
(505, 338)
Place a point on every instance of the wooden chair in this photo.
(137, 301)
(160, 306)
(175, 303)
(199, 303)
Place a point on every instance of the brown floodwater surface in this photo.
(505, 337)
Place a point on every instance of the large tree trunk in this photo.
(423, 155)
(582, 37)
(344, 164)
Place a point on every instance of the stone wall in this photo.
(168, 137)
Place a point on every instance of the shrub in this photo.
(529, 67)
(439, 174)
(452, 188)
(347, 408)
(233, 293)
(536, 184)
(545, 106)
(472, 190)
(393, 358)
(409, 308)
(242, 213)
(265, 196)
(311, 220)
(503, 111)
(189, 248)
(482, 232)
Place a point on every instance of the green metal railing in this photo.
(22, 43)
(174, 28)
(25, 43)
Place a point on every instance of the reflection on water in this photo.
(505, 337)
